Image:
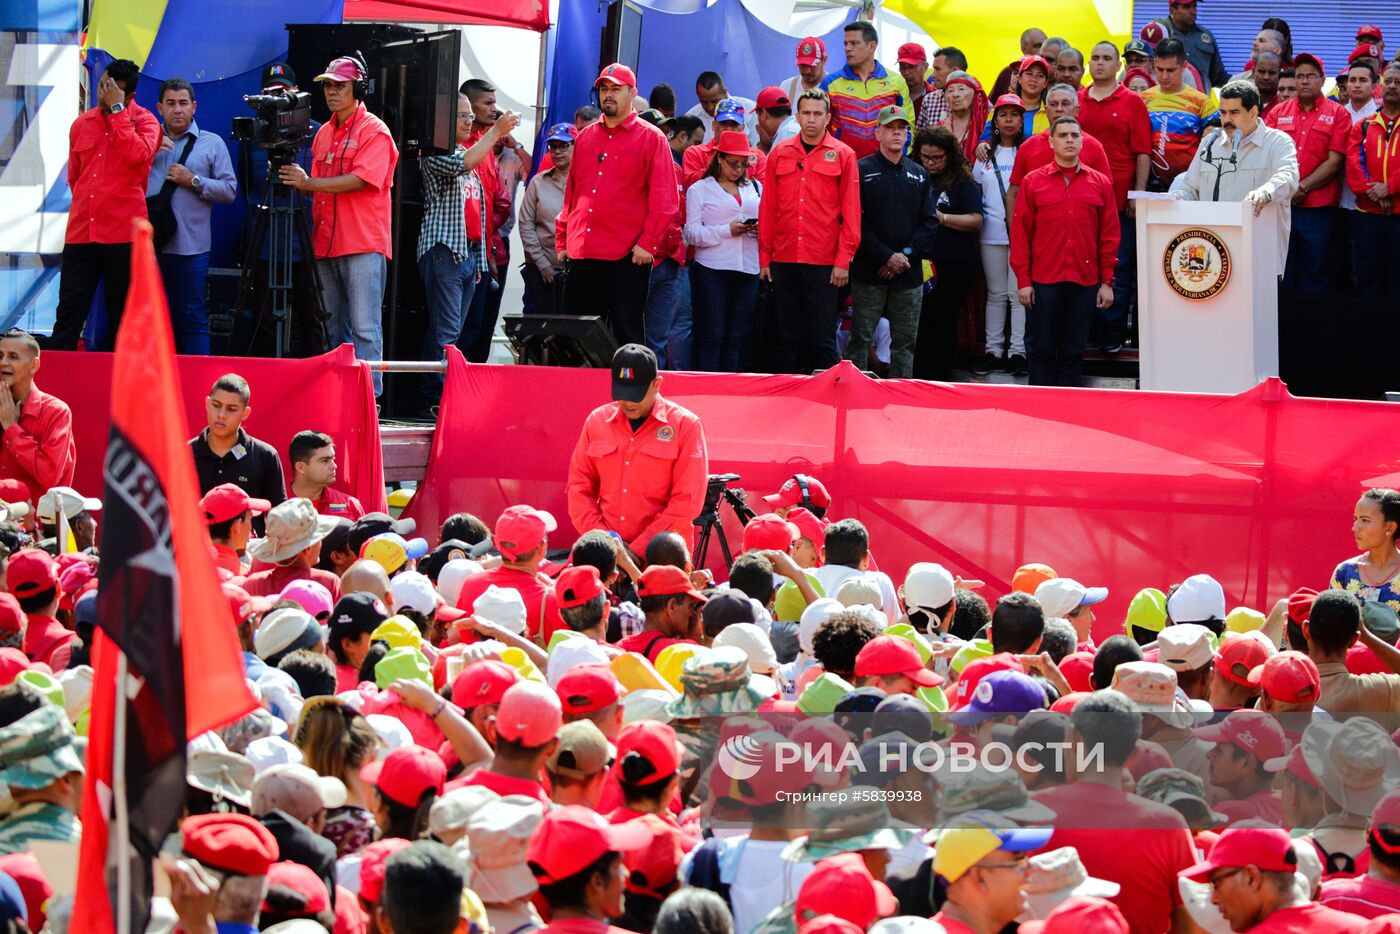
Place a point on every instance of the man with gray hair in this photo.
(1268, 41)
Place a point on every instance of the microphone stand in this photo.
(1219, 164)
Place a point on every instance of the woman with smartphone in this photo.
(721, 211)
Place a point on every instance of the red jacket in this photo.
(1373, 155)
(810, 211)
(627, 173)
(1035, 153)
(38, 450)
(639, 483)
(47, 640)
(1065, 228)
(109, 158)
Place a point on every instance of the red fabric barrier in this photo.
(1113, 488)
(527, 14)
(331, 393)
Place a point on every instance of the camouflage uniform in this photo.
(35, 751)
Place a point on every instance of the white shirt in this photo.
(993, 196)
(832, 576)
(786, 130)
(793, 88)
(708, 211)
(1348, 202)
(750, 119)
(762, 881)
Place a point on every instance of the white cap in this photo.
(413, 591)
(817, 612)
(647, 704)
(69, 500)
(1061, 596)
(282, 628)
(1200, 597)
(272, 750)
(569, 654)
(907, 924)
(453, 810)
(77, 690)
(749, 638)
(503, 606)
(1185, 646)
(392, 733)
(296, 789)
(860, 591)
(927, 586)
(453, 575)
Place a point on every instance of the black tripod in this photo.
(278, 220)
(708, 520)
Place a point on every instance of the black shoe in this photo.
(986, 364)
(1016, 363)
(1113, 348)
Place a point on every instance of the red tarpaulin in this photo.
(1122, 489)
(331, 393)
(525, 14)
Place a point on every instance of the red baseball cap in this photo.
(911, 53)
(664, 580)
(1301, 57)
(1388, 810)
(770, 532)
(841, 885)
(655, 742)
(652, 869)
(1295, 763)
(483, 682)
(891, 655)
(577, 585)
(1079, 914)
(770, 97)
(573, 837)
(1014, 100)
(242, 604)
(1254, 731)
(12, 662)
(1300, 604)
(406, 773)
(342, 69)
(587, 688)
(11, 616)
(234, 843)
(31, 572)
(1362, 51)
(808, 525)
(976, 671)
(617, 73)
(790, 493)
(810, 50)
(302, 880)
(520, 530)
(1237, 656)
(529, 714)
(1076, 667)
(372, 860)
(1290, 677)
(1030, 60)
(1269, 849)
(1066, 703)
(229, 501)
(1369, 30)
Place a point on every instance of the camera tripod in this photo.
(709, 520)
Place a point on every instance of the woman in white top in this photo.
(994, 176)
(721, 211)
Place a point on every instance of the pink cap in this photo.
(1254, 731)
(311, 596)
(810, 51)
(770, 532)
(342, 69)
(522, 529)
(529, 714)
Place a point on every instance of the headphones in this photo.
(802, 481)
(359, 89)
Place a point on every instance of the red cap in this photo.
(652, 869)
(31, 572)
(405, 773)
(769, 532)
(522, 529)
(529, 714)
(829, 924)
(1271, 850)
(617, 73)
(229, 501)
(976, 671)
(1066, 704)
(1013, 100)
(655, 742)
(14, 491)
(1079, 914)
(911, 53)
(24, 868)
(302, 880)
(1300, 604)
(1076, 667)
(573, 837)
(841, 885)
(1388, 810)
(233, 843)
(1369, 30)
(1030, 60)
(770, 97)
(1295, 763)
(587, 688)
(1290, 677)
(664, 580)
(891, 655)
(372, 860)
(242, 604)
(1301, 57)
(12, 662)
(577, 585)
(1254, 731)
(790, 493)
(1362, 51)
(1237, 656)
(810, 50)
(808, 525)
(483, 682)
(11, 616)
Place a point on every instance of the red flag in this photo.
(159, 603)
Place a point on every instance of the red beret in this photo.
(233, 843)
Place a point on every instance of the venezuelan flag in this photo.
(126, 28)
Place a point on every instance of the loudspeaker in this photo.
(560, 340)
(312, 46)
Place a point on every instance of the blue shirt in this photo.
(210, 164)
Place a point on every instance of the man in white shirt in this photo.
(811, 68)
(846, 554)
(709, 88)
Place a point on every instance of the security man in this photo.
(640, 466)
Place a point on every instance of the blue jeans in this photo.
(1309, 251)
(1114, 320)
(184, 278)
(448, 287)
(723, 309)
(1057, 328)
(353, 288)
(678, 341)
(662, 297)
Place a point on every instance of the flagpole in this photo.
(121, 823)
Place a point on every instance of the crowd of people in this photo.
(530, 723)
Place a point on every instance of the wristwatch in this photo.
(197, 184)
(117, 108)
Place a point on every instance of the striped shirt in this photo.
(855, 104)
(1178, 119)
(448, 185)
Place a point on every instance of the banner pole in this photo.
(121, 823)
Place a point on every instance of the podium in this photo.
(1207, 295)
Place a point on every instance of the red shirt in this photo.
(541, 606)
(355, 221)
(810, 211)
(674, 245)
(1035, 153)
(38, 450)
(1267, 804)
(1365, 896)
(502, 785)
(1316, 133)
(109, 158)
(648, 644)
(1120, 123)
(335, 503)
(1065, 227)
(639, 483)
(627, 173)
(579, 926)
(1376, 138)
(1311, 918)
(269, 583)
(46, 640)
(227, 562)
(696, 162)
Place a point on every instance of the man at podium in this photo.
(1244, 160)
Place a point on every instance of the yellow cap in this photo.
(960, 848)
(517, 659)
(388, 553)
(399, 632)
(1243, 619)
(671, 659)
(1148, 610)
(635, 673)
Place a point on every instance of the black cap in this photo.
(279, 73)
(337, 539)
(355, 613)
(633, 370)
(725, 609)
(432, 563)
(377, 523)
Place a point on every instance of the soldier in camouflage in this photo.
(41, 763)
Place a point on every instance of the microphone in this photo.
(1235, 138)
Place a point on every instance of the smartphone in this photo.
(749, 221)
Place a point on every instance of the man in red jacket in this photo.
(1373, 173)
(618, 204)
(1064, 244)
(808, 231)
(110, 150)
(36, 447)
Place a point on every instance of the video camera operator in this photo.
(352, 172)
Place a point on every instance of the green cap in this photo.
(1378, 617)
(38, 749)
(1148, 610)
(403, 662)
(908, 633)
(969, 653)
(933, 698)
(890, 114)
(847, 827)
(561, 635)
(788, 603)
(823, 694)
(981, 789)
(45, 684)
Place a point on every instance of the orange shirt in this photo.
(355, 221)
(810, 211)
(109, 158)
